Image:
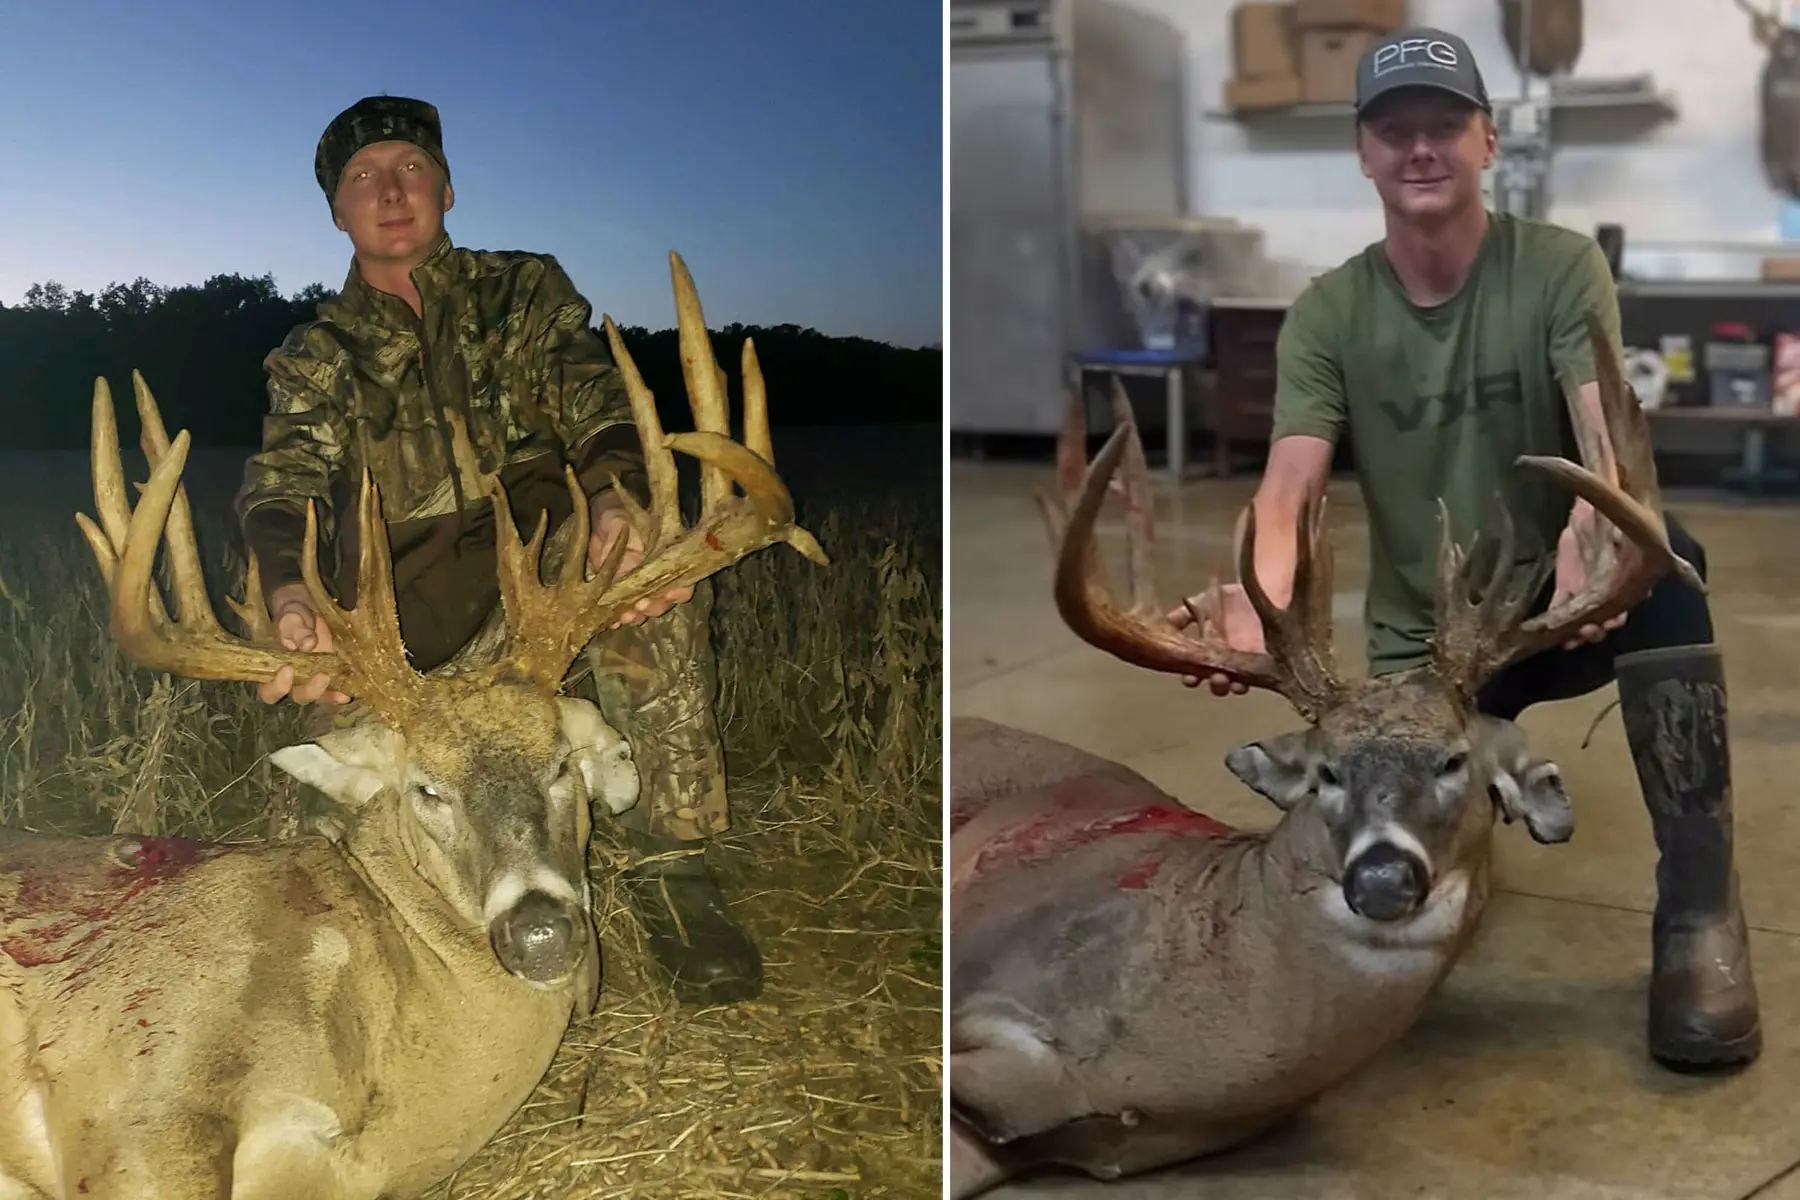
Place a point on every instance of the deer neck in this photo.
(377, 851)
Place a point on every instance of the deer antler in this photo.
(369, 660)
(1476, 636)
(1298, 663)
(550, 623)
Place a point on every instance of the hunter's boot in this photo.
(705, 955)
(1702, 1003)
(655, 682)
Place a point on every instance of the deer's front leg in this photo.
(1006, 1073)
(291, 1151)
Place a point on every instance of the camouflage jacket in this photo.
(505, 340)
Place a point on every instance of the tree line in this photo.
(201, 347)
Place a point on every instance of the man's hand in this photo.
(1571, 572)
(298, 628)
(610, 522)
(1242, 629)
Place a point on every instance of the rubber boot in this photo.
(704, 954)
(1702, 1003)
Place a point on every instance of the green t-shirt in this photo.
(1439, 401)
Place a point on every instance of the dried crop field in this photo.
(830, 698)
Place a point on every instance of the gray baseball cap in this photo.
(1420, 57)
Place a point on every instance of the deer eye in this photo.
(1454, 763)
(1328, 777)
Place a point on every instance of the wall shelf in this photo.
(1636, 96)
(1708, 289)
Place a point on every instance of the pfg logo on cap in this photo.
(1416, 52)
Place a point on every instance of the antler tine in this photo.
(551, 623)
(1298, 637)
(1454, 639)
(659, 464)
(1140, 520)
(1140, 635)
(1071, 466)
(1322, 569)
(187, 577)
(704, 379)
(125, 541)
(110, 502)
(252, 610)
(756, 407)
(368, 635)
(1470, 640)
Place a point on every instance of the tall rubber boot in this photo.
(1702, 1002)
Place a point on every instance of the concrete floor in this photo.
(1528, 1076)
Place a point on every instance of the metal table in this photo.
(1171, 366)
(1752, 471)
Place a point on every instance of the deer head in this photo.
(1401, 771)
(475, 774)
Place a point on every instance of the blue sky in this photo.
(789, 149)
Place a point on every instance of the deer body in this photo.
(349, 1016)
(1134, 984)
(180, 1019)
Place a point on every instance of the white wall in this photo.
(1693, 178)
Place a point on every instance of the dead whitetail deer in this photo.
(1134, 984)
(354, 1018)
(1778, 120)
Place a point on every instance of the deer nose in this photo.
(1385, 883)
(535, 939)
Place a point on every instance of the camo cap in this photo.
(376, 119)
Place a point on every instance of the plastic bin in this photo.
(1738, 375)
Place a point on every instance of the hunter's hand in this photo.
(1571, 572)
(298, 628)
(1242, 629)
(611, 522)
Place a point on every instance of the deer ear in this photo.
(1525, 786)
(1280, 769)
(600, 753)
(349, 765)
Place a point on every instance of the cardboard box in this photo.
(1328, 64)
(1269, 91)
(1262, 40)
(1781, 268)
(1376, 16)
